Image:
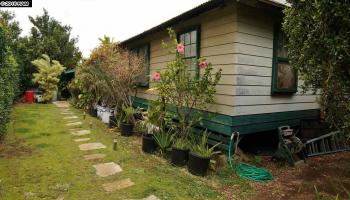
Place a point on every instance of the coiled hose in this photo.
(244, 170)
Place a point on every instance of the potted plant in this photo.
(164, 139)
(127, 124)
(200, 155)
(148, 142)
(179, 154)
(112, 121)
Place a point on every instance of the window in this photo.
(190, 39)
(284, 77)
(143, 53)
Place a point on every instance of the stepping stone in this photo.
(74, 124)
(91, 146)
(61, 104)
(82, 139)
(81, 132)
(67, 113)
(151, 197)
(107, 169)
(71, 117)
(96, 156)
(117, 185)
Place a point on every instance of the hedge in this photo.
(8, 81)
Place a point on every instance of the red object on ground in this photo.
(29, 96)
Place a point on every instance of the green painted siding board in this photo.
(247, 124)
(270, 117)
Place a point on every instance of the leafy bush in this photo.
(8, 80)
(318, 48)
(109, 75)
(47, 76)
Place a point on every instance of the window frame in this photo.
(275, 61)
(136, 50)
(196, 28)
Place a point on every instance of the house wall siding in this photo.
(216, 45)
(253, 68)
(239, 40)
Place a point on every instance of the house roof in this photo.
(209, 5)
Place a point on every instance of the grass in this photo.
(40, 160)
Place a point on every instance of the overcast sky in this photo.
(91, 19)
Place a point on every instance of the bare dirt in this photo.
(326, 176)
(14, 148)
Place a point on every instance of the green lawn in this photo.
(40, 160)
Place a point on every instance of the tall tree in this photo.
(14, 43)
(319, 48)
(50, 37)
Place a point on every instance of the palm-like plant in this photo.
(47, 76)
(164, 139)
(202, 148)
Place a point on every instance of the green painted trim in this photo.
(246, 124)
(196, 28)
(275, 60)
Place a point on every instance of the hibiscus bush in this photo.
(180, 89)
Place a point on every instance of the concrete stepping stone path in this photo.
(150, 197)
(71, 117)
(67, 113)
(82, 139)
(117, 185)
(107, 169)
(61, 104)
(81, 132)
(91, 146)
(96, 156)
(74, 124)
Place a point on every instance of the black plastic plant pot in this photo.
(168, 153)
(148, 143)
(126, 129)
(112, 122)
(198, 165)
(94, 112)
(179, 157)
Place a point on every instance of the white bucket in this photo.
(105, 115)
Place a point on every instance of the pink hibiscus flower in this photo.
(156, 76)
(202, 64)
(180, 48)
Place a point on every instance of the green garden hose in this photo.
(247, 171)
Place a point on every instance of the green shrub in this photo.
(47, 76)
(8, 81)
